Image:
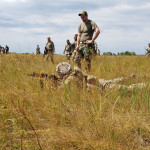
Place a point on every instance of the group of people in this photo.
(70, 49)
(82, 48)
(4, 50)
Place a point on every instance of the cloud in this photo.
(124, 24)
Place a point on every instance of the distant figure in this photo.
(6, 49)
(68, 50)
(37, 49)
(148, 50)
(50, 49)
(3, 50)
(98, 52)
(74, 44)
(0, 48)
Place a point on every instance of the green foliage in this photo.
(126, 53)
(25, 53)
(107, 54)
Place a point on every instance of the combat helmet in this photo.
(63, 68)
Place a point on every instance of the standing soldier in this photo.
(85, 40)
(98, 52)
(148, 49)
(74, 45)
(6, 49)
(68, 50)
(37, 49)
(50, 48)
(3, 50)
(0, 48)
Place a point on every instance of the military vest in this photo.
(68, 48)
(50, 46)
(148, 49)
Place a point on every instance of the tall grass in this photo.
(32, 117)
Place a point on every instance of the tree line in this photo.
(120, 54)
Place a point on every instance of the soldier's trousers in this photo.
(85, 52)
(51, 55)
(73, 55)
(68, 57)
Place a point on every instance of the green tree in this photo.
(107, 54)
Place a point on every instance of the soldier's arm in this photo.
(97, 32)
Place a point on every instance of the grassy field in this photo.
(48, 118)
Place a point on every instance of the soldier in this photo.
(74, 47)
(98, 52)
(148, 49)
(6, 49)
(85, 40)
(68, 50)
(0, 48)
(80, 79)
(50, 48)
(3, 50)
(37, 49)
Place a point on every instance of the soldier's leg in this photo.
(106, 83)
(69, 57)
(73, 56)
(52, 57)
(87, 57)
(77, 59)
(47, 57)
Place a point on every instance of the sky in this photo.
(124, 25)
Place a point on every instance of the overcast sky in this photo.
(124, 25)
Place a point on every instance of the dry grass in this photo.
(50, 118)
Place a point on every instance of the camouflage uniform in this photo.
(68, 50)
(0, 48)
(148, 51)
(38, 50)
(50, 48)
(3, 50)
(74, 45)
(6, 49)
(85, 51)
(95, 47)
(81, 79)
